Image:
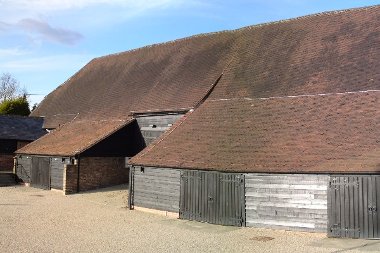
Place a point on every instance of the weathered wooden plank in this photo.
(157, 188)
(283, 198)
(370, 208)
(365, 207)
(356, 208)
(377, 220)
(290, 186)
(374, 208)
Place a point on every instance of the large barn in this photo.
(274, 125)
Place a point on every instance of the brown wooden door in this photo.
(40, 172)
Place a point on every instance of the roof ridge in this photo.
(323, 13)
(294, 96)
(242, 29)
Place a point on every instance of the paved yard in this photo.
(34, 220)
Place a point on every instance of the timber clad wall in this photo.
(157, 188)
(153, 126)
(97, 172)
(56, 171)
(6, 162)
(291, 201)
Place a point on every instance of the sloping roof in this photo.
(53, 121)
(21, 128)
(171, 76)
(324, 53)
(74, 138)
(308, 134)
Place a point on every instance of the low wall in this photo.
(98, 172)
(70, 179)
(6, 162)
(291, 201)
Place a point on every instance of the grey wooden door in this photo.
(23, 169)
(353, 206)
(57, 165)
(40, 172)
(212, 197)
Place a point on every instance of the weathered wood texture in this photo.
(212, 197)
(353, 205)
(289, 201)
(153, 126)
(157, 188)
(40, 172)
(56, 171)
(23, 168)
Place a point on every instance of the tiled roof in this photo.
(21, 128)
(171, 76)
(304, 134)
(53, 121)
(324, 53)
(74, 138)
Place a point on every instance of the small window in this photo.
(63, 160)
(142, 169)
(154, 126)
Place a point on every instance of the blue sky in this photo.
(44, 42)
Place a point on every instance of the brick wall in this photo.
(98, 172)
(6, 162)
(70, 179)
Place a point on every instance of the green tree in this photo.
(16, 106)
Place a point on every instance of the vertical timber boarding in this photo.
(23, 168)
(57, 165)
(212, 197)
(354, 206)
(40, 173)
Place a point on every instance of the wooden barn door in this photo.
(353, 206)
(57, 165)
(212, 197)
(40, 173)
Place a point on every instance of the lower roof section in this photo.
(74, 138)
(14, 127)
(328, 133)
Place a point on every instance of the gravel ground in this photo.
(34, 220)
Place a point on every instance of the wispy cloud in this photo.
(48, 32)
(42, 30)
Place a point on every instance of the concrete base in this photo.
(159, 212)
(57, 190)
